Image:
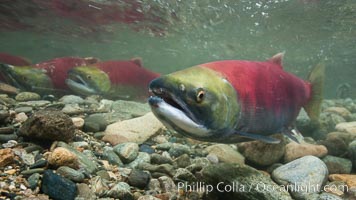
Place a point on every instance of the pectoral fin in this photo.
(259, 137)
(294, 135)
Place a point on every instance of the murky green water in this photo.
(194, 32)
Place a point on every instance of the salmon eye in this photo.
(89, 77)
(200, 95)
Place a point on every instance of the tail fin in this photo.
(316, 79)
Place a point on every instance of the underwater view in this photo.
(178, 100)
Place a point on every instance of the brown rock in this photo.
(225, 153)
(347, 137)
(10, 171)
(8, 89)
(337, 142)
(262, 153)
(343, 112)
(349, 127)
(6, 157)
(63, 157)
(295, 150)
(349, 179)
(136, 130)
(336, 146)
(48, 125)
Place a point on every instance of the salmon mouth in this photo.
(78, 84)
(8, 75)
(161, 94)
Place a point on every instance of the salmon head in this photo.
(197, 102)
(88, 80)
(26, 78)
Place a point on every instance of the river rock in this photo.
(295, 150)
(352, 153)
(139, 178)
(182, 161)
(7, 137)
(141, 158)
(328, 121)
(21, 117)
(27, 96)
(33, 180)
(160, 159)
(57, 187)
(183, 174)
(343, 112)
(163, 168)
(167, 184)
(225, 153)
(123, 110)
(71, 99)
(198, 164)
(328, 196)
(136, 130)
(78, 122)
(103, 174)
(71, 174)
(9, 144)
(73, 109)
(110, 155)
(99, 185)
(349, 179)
(178, 149)
(337, 143)
(235, 181)
(148, 197)
(25, 109)
(98, 119)
(35, 104)
(84, 192)
(48, 125)
(347, 137)
(127, 151)
(349, 127)
(337, 165)
(121, 191)
(308, 172)
(86, 163)
(146, 148)
(262, 153)
(6, 157)
(63, 157)
(7, 130)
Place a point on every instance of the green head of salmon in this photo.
(197, 102)
(26, 78)
(88, 80)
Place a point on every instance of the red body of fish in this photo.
(13, 60)
(130, 72)
(58, 68)
(270, 97)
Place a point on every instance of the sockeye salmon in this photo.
(232, 101)
(45, 77)
(124, 79)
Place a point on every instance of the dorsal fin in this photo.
(91, 60)
(277, 59)
(137, 61)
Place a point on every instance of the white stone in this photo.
(136, 130)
